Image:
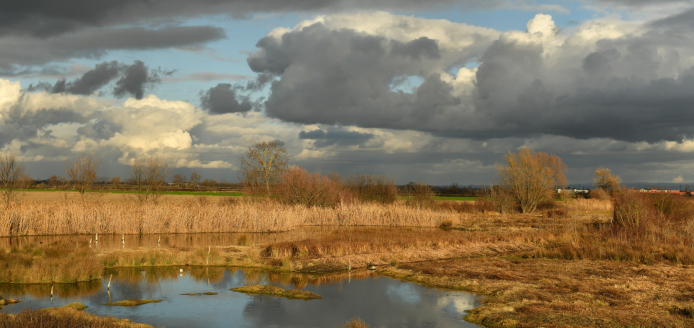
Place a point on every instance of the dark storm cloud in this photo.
(624, 90)
(45, 18)
(342, 76)
(134, 79)
(91, 81)
(224, 98)
(18, 52)
(335, 136)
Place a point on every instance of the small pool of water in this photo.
(379, 301)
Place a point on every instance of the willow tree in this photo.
(530, 177)
(11, 173)
(263, 164)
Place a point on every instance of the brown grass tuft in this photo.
(65, 317)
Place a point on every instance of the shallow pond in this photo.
(379, 301)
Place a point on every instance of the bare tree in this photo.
(195, 178)
(11, 173)
(604, 179)
(115, 183)
(263, 165)
(530, 176)
(82, 171)
(149, 177)
(179, 180)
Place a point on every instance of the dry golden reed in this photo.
(194, 217)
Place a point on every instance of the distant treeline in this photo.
(453, 190)
(179, 183)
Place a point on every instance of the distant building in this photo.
(574, 190)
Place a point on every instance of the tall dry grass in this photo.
(56, 263)
(194, 217)
(583, 204)
(64, 317)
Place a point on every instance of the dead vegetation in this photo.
(69, 316)
(581, 262)
(248, 215)
(54, 263)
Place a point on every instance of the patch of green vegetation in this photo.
(76, 305)
(133, 302)
(277, 292)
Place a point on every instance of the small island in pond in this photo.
(277, 292)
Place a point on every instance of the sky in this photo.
(435, 91)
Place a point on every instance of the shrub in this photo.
(598, 193)
(503, 200)
(420, 195)
(672, 208)
(372, 188)
(631, 210)
(297, 186)
(477, 206)
(634, 210)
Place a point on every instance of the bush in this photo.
(297, 186)
(420, 195)
(598, 193)
(503, 200)
(372, 188)
(635, 211)
(672, 208)
(631, 210)
(478, 206)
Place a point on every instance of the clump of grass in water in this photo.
(199, 294)
(133, 302)
(277, 292)
(76, 305)
(355, 323)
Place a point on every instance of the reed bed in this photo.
(58, 263)
(392, 240)
(65, 317)
(195, 217)
(583, 204)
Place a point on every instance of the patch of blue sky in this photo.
(516, 15)
(406, 84)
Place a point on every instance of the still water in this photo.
(379, 301)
